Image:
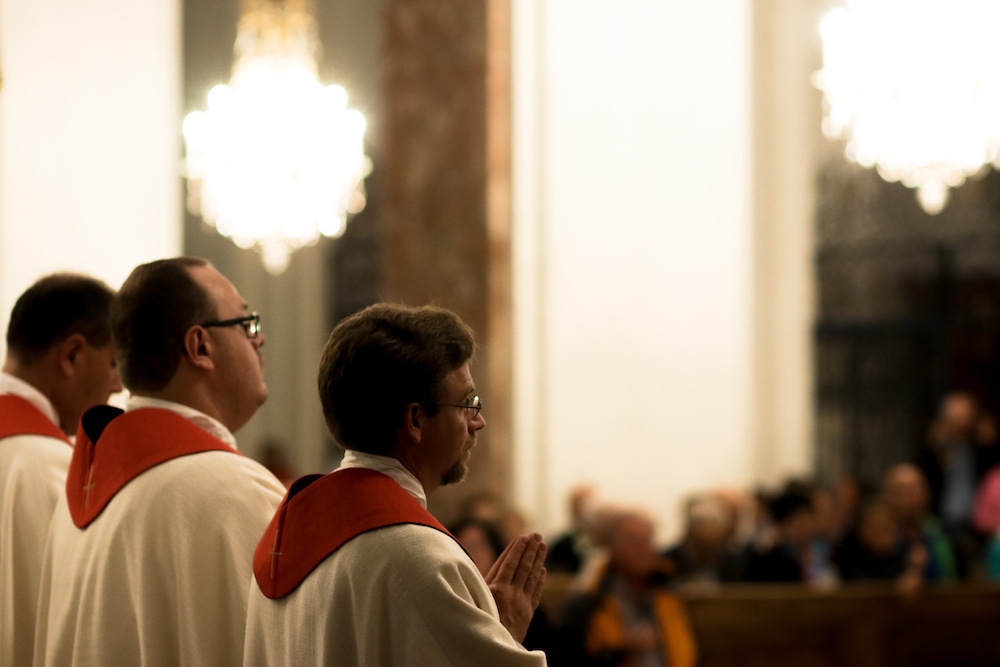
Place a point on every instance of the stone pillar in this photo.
(447, 190)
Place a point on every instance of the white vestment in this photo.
(399, 595)
(160, 577)
(32, 478)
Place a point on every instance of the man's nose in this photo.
(259, 340)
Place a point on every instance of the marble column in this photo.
(447, 192)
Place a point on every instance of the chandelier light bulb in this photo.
(277, 159)
(912, 87)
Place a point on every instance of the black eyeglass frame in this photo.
(250, 324)
(477, 405)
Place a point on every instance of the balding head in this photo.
(632, 550)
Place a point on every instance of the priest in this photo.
(60, 361)
(353, 570)
(150, 549)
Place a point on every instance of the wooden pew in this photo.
(855, 625)
(858, 625)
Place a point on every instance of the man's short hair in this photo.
(55, 308)
(152, 312)
(380, 360)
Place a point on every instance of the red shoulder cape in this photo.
(113, 447)
(320, 513)
(18, 416)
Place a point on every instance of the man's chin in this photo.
(455, 474)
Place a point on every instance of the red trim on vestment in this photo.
(19, 416)
(130, 443)
(319, 514)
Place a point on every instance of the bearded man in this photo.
(353, 570)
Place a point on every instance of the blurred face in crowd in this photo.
(709, 526)
(799, 527)
(477, 544)
(708, 537)
(959, 413)
(878, 530)
(632, 551)
(906, 490)
(824, 516)
(848, 495)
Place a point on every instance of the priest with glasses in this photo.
(353, 570)
(150, 550)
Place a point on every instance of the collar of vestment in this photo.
(387, 466)
(196, 417)
(321, 513)
(113, 447)
(13, 385)
(20, 417)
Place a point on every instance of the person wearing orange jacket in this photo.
(626, 616)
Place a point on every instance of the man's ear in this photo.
(413, 420)
(198, 348)
(70, 354)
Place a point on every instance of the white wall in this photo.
(89, 138)
(633, 260)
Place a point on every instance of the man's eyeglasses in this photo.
(476, 405)
(250, 324)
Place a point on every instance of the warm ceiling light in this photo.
(913, 87)
(277, 159)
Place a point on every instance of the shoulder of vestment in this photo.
(113, 448)
(320, 513)
(18, 416)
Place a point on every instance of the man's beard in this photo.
(457, 472)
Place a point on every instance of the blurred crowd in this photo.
(932, 519)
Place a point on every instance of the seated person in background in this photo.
(762, 531)
(572, 549)
(961, 446)
(820, 568)
(987, 519)
(626, 615)
(490, 507)
(60, 362)
(847, 497)
(905, 490)
(787, 557)
(877, 551)
(986, 511)
(481, 541)
(993, 560)
(703, 554)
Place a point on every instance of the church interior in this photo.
(697, 297)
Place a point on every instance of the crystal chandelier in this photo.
(913, 87)
(277, 159)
